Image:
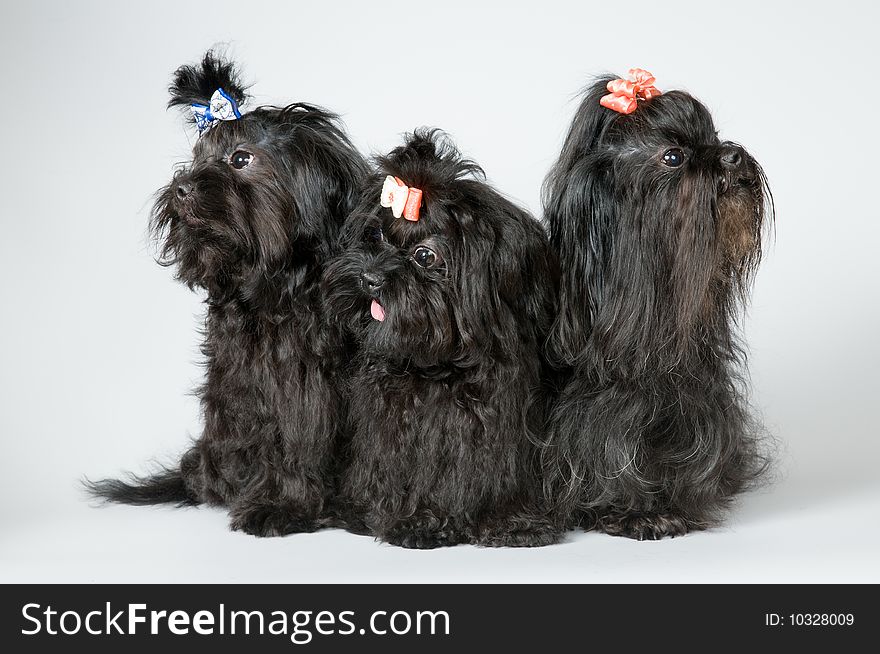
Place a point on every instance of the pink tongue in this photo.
(377, 311)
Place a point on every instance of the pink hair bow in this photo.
(403, 200)
(625, 93)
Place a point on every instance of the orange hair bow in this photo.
(625, 93)
(403, 200)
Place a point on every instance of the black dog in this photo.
(448, 290)
(252, 221)
(657, 225)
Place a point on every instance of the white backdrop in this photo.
(99, 346)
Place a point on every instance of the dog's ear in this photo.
(325, 186)
(581, 218)
(579, 209)
(504, 275)
(525, 272)
(195, 84)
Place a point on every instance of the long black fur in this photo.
(446, 393)
(256, 240)
(651, 434)
(165, 486)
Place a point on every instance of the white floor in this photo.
(802, 530)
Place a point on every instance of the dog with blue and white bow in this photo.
(251, 221)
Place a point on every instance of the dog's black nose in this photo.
(732, 157)
(183, 188)
(371, 282)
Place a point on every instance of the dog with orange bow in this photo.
(657, 224)
(447, 290)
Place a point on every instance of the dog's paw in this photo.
(415, 541)
(357, 527)
(522, 538)
(413, 535)
(267, 520)
(644, 526)
(519, 535)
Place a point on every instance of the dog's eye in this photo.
(374, 234)
(240, 159)
(673, 157)
(425, 257)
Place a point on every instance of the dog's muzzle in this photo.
(736, 169)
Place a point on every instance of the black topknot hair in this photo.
(197, 83)
(428, 159)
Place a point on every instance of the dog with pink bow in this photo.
(446, 289)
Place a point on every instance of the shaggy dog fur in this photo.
(252, 221)
(657, 225)
(446, 390)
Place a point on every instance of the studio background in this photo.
(99, 345)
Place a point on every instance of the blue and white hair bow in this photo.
(221, 107)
